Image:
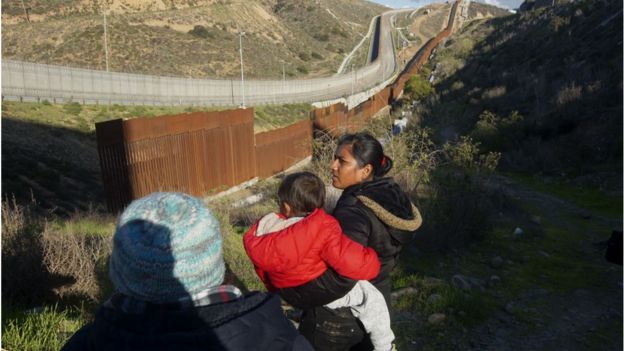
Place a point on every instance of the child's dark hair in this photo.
(303, 191)
(366, 149)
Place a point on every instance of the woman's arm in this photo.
(354, 222)
(347, 257)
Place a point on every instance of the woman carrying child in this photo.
(374, 211)
(295, 247)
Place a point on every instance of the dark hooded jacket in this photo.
(377, 214)
(252, 322)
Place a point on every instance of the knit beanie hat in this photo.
(167, 247)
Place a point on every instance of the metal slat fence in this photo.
(193, 153)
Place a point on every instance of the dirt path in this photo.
(582, 318)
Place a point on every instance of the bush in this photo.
(24, 278)
(72, 108)
(201, 32)
(317, 56)
(302, 69)
(456, 210)
(79, 248)
(418, 87)
(304, 56)
(52, 259)
(321, 36)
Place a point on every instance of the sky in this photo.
(397, 4)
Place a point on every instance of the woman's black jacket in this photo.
(377, 214)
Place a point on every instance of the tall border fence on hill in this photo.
(202, 152)
(337, 119)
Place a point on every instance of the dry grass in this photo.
(46, 260)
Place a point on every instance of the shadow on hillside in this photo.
(57, 167)
(558, 69)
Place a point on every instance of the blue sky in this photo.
(508, 4)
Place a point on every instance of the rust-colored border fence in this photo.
(278, 149)
(194, 153)
(201, 152)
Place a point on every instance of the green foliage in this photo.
(557, 22)
(317, 56)
(48, 329)
(72, 108)
(418, 87)
(302, 69)
(497, 133)
(465, 155)
(321, 37)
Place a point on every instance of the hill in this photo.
(543, 86)
(189, 38)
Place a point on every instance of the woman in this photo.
(374, 211)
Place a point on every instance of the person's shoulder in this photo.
(321, 219)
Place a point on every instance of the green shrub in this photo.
(302, 69)
(321, 36)
(317, 56)
(201, 32)
(304, 56)
(418, 87)
(457, 205)
(72, 108)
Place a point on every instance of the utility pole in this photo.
(25, 12)
(105, 41)
(283, 78)
(240, 43)
(352, 79)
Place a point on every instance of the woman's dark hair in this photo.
(303, 191)
(366, 149)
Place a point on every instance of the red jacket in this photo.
(303, 251)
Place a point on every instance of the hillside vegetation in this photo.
(189, 38)
(544, 87)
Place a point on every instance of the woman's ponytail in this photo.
(385, 165)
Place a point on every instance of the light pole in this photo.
(240, 43)
(283, 77)
(105, 42)
(352, 79)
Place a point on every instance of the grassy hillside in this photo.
(189, 38)
(543, 86)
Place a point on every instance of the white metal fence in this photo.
(33, 81)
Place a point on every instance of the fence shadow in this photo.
(56, 166)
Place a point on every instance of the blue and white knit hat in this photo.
(167, 247)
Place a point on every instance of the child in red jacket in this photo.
(297, 245)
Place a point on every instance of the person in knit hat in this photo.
(168, 270)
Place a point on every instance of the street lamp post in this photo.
(240, 43)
